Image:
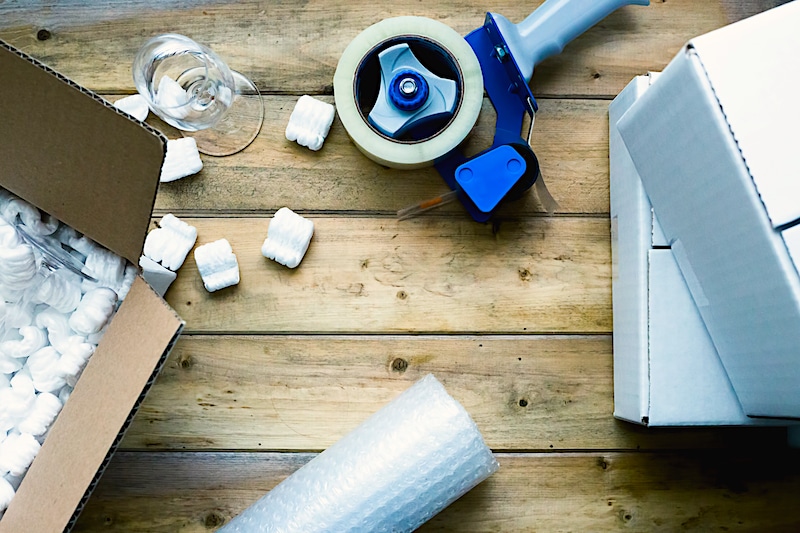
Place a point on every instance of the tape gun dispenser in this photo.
(408, 90)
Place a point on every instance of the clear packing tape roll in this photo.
(395, 471)
(380, 148)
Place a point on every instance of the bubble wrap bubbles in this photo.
(404, 464)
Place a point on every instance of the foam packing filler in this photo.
(134, 105)
(310, 122)
(52, 316)
(217, 265)
(182, 159)
(288, 238)
(395, 471)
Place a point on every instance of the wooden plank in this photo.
(426, 275)
(274, 172)
(570, 139)
(709, 491)
(306, 392)
(294, 47)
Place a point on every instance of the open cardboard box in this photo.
(714, 141)
(71, 154)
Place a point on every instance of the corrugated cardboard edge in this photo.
(130, 162)
(90, 427)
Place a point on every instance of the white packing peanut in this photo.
(56, 324)
(156, 275)
(217, 265)
(31, 217)
(6, 493)
(17, 453)
(288, 238)
(182, 160)
(92, 314)
(60, 292)
(310, 122)
(83, 244)
(172, 97)
(171, 242)
(64, 394)
(18, 265)
(16, 400)
(127, 281)
(134, 105)
(73, 360)
(8, 364)
(33, 339)
(45, 410)
(106, 267)
(43, 368)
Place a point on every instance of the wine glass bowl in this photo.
(191, 88)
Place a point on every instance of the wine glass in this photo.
(192, 89)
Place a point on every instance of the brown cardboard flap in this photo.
(98, 409)
(68, 152)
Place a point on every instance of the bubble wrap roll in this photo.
(404, 464)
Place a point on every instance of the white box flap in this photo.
(753, 68)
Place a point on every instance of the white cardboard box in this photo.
(666, 369)
(715, 142)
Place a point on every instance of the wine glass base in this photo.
(238, 127)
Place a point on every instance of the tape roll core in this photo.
(404, 154)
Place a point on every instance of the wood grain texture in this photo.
(707, 491)
(305, 392)
(570, 139)
(294, 47)
(426, 275)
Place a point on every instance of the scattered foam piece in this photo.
(31, 217)
(288, 238)
(134, 105)
(310, 122)
(172, 98)
(404, 464)
(157, 276)
(171, 242)
(92, 314)
(182, 160)
(17, 453)
(217, 265)
(74, 357)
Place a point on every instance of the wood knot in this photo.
(400, 365)
(402, 295)
(43, 34)
(214, 519)
(185, 362)
(523, 402)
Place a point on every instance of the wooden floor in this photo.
(514, 317)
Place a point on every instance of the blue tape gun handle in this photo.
(551, 26)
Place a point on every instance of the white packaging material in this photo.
(288, 238)
(156, 275)
(48, 329)
(171, 96)
(134, 105)
(171, 242)
(217, 265)
(182, 160)
(310, 122)
(395, 471)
